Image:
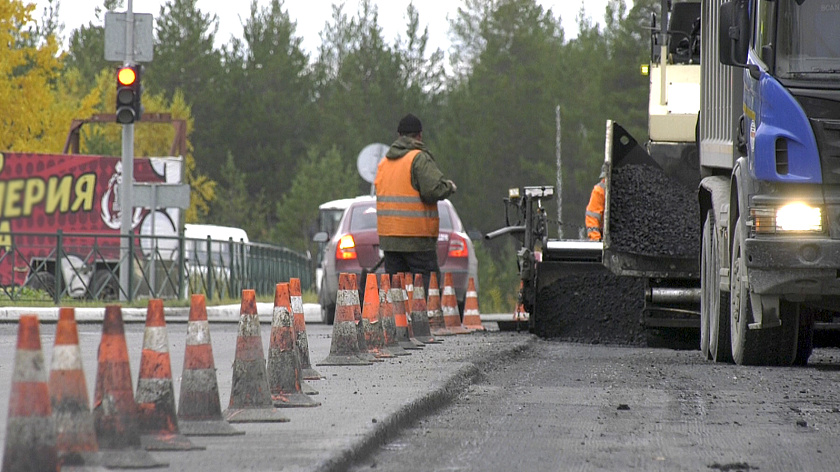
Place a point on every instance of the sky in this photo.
(312, 15)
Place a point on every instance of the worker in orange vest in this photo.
(408, 187)
(595, 209)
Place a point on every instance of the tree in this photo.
(322, 177)
(234, 206)
(31, 119)
(87, 45)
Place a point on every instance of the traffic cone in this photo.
(75, 435)
(115, 414)
(250, 397)
(307, 372)
(199, 407)
(449, 305)
(472, 317)
(283, 356)
(364, 352)
(434, 308)
(344, 349)
(30, 428)
(386, 316)
(419, 313)
(519, 314)
(155, 393)
(371, 324)
(408, 293)
(400, 317)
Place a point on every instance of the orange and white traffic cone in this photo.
(520, 315)
(400, 316)
(408, 294)
(419, 313)
(386, 317)
(435, 309)
(30, 428)
(344, 349)
(283, 356)
(115, 413)
(364, 351)
(371, 323)
(155, 393)
(307, 372)
(449, 305)
(75, 436)
(199, 407)
(472, 317)
(250, 396)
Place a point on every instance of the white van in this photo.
(220, 236)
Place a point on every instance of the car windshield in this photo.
(363, 218)
(808, 40)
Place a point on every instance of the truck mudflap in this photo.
(651, 218)
(579, 300)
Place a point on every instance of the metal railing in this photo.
(60, 266)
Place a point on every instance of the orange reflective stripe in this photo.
(399, 209)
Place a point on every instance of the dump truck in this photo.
(768, 198)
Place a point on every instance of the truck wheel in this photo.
(104, 286)
(706, 279)
(43, 281)
(749, 346)
(805, 339)
(717, 301)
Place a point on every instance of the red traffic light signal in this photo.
(128, 94)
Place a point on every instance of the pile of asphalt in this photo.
(652, 214)
(595, 307)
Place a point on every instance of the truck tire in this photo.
(706, 279)
(716, 301)
(104, 286)
(43, 281)
(805, 337)
(749, 346)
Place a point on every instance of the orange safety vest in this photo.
(399, 209)
(595, 212)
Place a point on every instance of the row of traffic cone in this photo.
(51, 424)
(396, 317)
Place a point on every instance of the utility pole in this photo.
(126, 201)
(559, 175)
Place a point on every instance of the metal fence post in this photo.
(209, 278)
(59, 274)
(182, 289)
(130, 294)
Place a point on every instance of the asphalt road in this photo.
(575, 407)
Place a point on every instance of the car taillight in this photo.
(458, 246)
(346, 248)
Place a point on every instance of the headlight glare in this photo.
(798, 217)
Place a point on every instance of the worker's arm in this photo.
(429, 180)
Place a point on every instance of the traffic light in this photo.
(129, 90)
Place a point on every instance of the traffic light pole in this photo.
(126, 198)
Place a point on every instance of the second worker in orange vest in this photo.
(595, 210)
(408, 187)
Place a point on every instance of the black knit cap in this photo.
(410, 124)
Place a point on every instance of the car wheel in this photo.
(328, 313)
(44, 281)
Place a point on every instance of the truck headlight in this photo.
(793, 217)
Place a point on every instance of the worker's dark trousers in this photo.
(414, 263)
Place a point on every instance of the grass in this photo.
(37, 298)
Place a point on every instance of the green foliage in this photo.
(234, 205)
(322, 177)
(499, 278)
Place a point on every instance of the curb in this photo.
(436, 398)
(215, 314)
